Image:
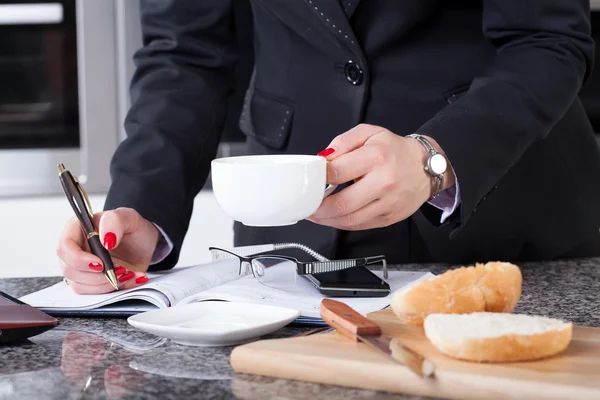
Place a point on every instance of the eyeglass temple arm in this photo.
(310, 268)
(323, 265)
(263, 248)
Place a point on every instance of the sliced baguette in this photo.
(497, 337)
(495, 287)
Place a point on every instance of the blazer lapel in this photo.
(349, 6)
(319, 21)
(335, 14)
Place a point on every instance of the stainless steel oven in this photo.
(59, 82)
(65, 68)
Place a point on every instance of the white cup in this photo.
(270, 190)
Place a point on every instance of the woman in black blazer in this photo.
(491, 85)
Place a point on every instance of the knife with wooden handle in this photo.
(354, 326)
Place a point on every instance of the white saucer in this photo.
(214, 323)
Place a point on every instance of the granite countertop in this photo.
(107, 358)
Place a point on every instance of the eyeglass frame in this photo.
(306, 267)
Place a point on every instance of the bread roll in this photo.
(497, 337)
(495, 287)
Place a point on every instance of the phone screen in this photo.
(353, 282)
(358, 277)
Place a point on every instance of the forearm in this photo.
(513, 104)
(179, 93)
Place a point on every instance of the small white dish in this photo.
(214, 323)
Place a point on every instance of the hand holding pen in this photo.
(87, 264)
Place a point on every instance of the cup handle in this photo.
(329, 189)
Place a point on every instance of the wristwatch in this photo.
(435, 165)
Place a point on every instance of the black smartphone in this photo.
(352, 282)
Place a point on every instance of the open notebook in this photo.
(211, 281)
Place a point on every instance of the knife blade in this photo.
(316, 331)
(354, 326)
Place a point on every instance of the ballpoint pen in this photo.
(83, 210)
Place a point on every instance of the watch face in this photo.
(437, 164)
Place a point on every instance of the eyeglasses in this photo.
(279, 271)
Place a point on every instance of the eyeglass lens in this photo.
(275, 272)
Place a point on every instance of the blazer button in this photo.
(354, 73)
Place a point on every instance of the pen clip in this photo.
(88, 205)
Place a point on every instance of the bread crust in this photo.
(503, 348)
(494, 287)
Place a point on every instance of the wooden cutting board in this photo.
(330, 358)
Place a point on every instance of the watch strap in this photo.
(438, 178)
(426, 143)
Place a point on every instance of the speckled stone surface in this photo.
(107, 358)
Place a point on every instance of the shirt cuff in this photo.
(163, 247)
(447, 201)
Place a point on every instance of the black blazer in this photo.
(495, 82)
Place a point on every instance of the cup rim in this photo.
(257, 159)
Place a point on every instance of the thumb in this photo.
(350, 140)
(114, 224)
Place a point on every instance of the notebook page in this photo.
(62, 297)
(183, 282)
(304, 296)
(162, 290)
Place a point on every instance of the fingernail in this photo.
(141, 279)
(327, 152)
(96, 267)
(126, 276)
(110, 240)
(120, 270)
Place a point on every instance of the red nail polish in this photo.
(141, 279)
(120, 270)
(327, 152)
(110, 240)
(95, 267)
(126, 276)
